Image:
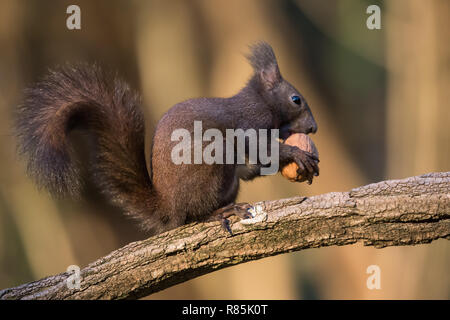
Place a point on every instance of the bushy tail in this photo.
(85, 95)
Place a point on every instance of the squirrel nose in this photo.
(312, 129)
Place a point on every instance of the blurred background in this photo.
(380, 98)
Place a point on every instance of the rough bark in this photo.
(390, 213)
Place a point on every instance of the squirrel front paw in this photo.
(308, 164)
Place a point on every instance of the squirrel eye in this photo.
(296, 99)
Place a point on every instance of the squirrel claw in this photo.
(226, 226)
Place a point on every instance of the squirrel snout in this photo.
(312, 129)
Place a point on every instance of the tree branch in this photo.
(389, 213)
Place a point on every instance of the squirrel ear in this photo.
(263, 60)
(270, 77)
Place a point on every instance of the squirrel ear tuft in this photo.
(264, 63)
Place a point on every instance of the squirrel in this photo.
(164, 195)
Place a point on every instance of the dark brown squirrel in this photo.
(166, 195)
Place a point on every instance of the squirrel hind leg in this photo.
(160, 220)
(240, 210)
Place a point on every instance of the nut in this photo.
(303, 142)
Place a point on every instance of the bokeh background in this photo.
(380, 97)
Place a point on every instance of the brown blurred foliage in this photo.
(380, 98)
